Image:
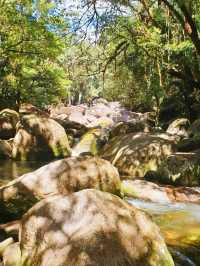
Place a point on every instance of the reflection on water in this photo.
(179, 222)
(12, 169)
(180, 226)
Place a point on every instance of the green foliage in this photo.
(141, 55)
(147, 50)
(81, 63)
(31, 44)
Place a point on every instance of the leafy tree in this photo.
(31, 43)
(164, 37)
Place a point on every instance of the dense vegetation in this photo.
(139, 52)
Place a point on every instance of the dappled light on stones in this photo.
(60, 177)
(101, 230)
(99, 110)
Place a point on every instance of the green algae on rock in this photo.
(88, 143)
(180, 169)
(136, 154)
(8, 121)
(39, 137)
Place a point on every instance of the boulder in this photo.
(102, 122)
(12, 255)
(192, 142)
(121, 114)
(123, 128)
(179, 127)
(39, 137)
(148, 191)
(189, 144)
(194, 129)
(8, 121)
(28, 108)
(180, 169)
(63, 176)
(171, 109)
(5, 149)
(135, 154)
(101, 230)
(89, 142)
(75, 129)
(72, 113)
(99, 113)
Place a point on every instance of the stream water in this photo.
(180, 226)
(179, 222)
(10, 170)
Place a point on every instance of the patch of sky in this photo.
(86, 19)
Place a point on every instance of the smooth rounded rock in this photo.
(90, 228)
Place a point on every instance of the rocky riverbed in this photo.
(101, 147)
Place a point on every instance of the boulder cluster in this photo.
(72, 212)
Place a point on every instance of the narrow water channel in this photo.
(180, 226)
(10, 170)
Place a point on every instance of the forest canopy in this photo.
(143, 53)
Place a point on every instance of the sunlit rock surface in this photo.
(136, 154)
(12, 255)
(98, 113)
(149, 191)
(62, 176)
(39, 137)
(179, 127)
(101, 230)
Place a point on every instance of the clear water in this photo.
(10, 170)
(180, 225)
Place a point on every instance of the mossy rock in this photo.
(189, 144)
(123, 128)
(8, 121)
(181, 169)
(88, 143)
(40, 137)
(136, 154)
(5, 149)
